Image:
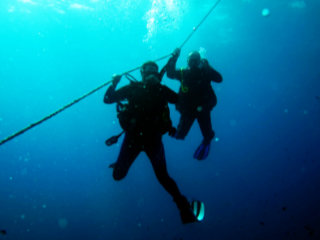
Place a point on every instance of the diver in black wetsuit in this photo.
(196, 97)
(146, 108)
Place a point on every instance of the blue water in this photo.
(261, 179)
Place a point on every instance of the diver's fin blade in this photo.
(112, 165)
(202, 151)
(198, 210)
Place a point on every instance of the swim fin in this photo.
(194, 214)
(198, 209)
(202, 151)
(190, 213)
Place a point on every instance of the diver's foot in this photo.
(202, 151)
(187, 216)
(186, 212)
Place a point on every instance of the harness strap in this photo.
(183, 89)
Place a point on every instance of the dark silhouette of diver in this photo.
(145, 119)
(196, 97)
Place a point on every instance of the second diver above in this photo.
(196, 97)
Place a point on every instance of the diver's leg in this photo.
(155, 152)
(186, 121)
(204, 120)
(128, 153)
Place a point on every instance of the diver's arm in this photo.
(113, 96)
(172, 72)
(170, 95)
(109, 96)
(215, 76)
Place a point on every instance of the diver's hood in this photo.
(150, 68)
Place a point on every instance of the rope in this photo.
(96, 89)
(51, 115)
(68, 105)
(194, 29)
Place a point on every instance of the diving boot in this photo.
(186, 212)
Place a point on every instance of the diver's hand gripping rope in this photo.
(98, 88)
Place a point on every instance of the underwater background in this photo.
(261, 179)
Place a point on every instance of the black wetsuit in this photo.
(147, 100)
(196, 98)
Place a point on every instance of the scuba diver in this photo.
(144, 119)
(196, 97)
